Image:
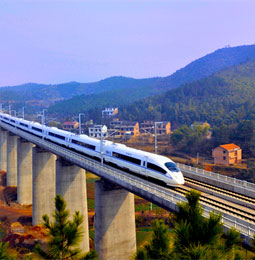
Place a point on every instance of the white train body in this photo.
(119, 155)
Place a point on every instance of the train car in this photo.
(86, 145)
(134, 160)
(144, 163)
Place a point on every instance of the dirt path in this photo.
(15, 212)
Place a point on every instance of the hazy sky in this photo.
(54, 41)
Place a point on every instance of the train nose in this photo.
(179, 178)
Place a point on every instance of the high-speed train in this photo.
(118, 155)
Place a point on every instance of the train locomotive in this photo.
(117, 155)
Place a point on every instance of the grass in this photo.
(145, 207)
(91, 204)
(142, 236)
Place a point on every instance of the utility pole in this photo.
(10, 109)
(23, 113)
(43, 116)
(155, 133)
(103, 130)
(81, 114)
(197, 157)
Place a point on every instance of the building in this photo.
(124, 129)
(162, 128)
(95, 131)
(70, 126)
(109, 112)
(227, 154)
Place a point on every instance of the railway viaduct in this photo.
(40, 174)
(41, 169)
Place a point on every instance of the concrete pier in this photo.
(115, 231)
(71, 185)
(24, 189)
(44, 183)
(3, 149)
(12, 150)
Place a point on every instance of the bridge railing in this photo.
(217, 176)
(246, 228)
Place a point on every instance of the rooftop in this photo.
(229, 147)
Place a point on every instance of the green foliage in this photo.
(232, 238)
(64, 235)
(197, 237)
(92, 255)
(5, 252)
(181, 106)
(159, 246)
(188, 139)
(226, 97)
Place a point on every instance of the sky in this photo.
(57, 41)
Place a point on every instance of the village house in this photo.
(124, 129)
(162, 128)
(96, 131)
(109, 112)
(227, 154)
(70, 126)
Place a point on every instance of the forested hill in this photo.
(33, 91)
(125, 89)
(207, 65)
(226, 97)
(200, 68)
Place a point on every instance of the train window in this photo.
(13, 121)
(6, 118)
(155, 168)
(89, 146)
(57, 136)
(126, 158)
(36, 129)
(172, 167)
(23, 124)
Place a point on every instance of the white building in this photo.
(109, 112)
(95, 131)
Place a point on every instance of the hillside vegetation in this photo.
(116, 91)
(34, 91)
(226, 97)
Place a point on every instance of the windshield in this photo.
(172, 167)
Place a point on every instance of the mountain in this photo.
(33, 91)
(75, 97)
(208, 65)
(227, 96)
(197, 69)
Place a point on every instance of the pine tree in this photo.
(197, 237)
(159, 246)
(64, 235)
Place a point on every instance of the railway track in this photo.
(212, 189)
(222, 205)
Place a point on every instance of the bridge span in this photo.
(41, 169)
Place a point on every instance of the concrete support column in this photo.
(12, 167)
(115, 231)
(3, 150)
(71, 185)
(44, 183)
(24, 172)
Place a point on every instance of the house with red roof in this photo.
(69, 126)
(227, 154)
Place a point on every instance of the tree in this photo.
(64, 235)
(197, 237)
(159, 246)
(5, 253)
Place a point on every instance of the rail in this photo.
(114, 175)
(217, 176)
